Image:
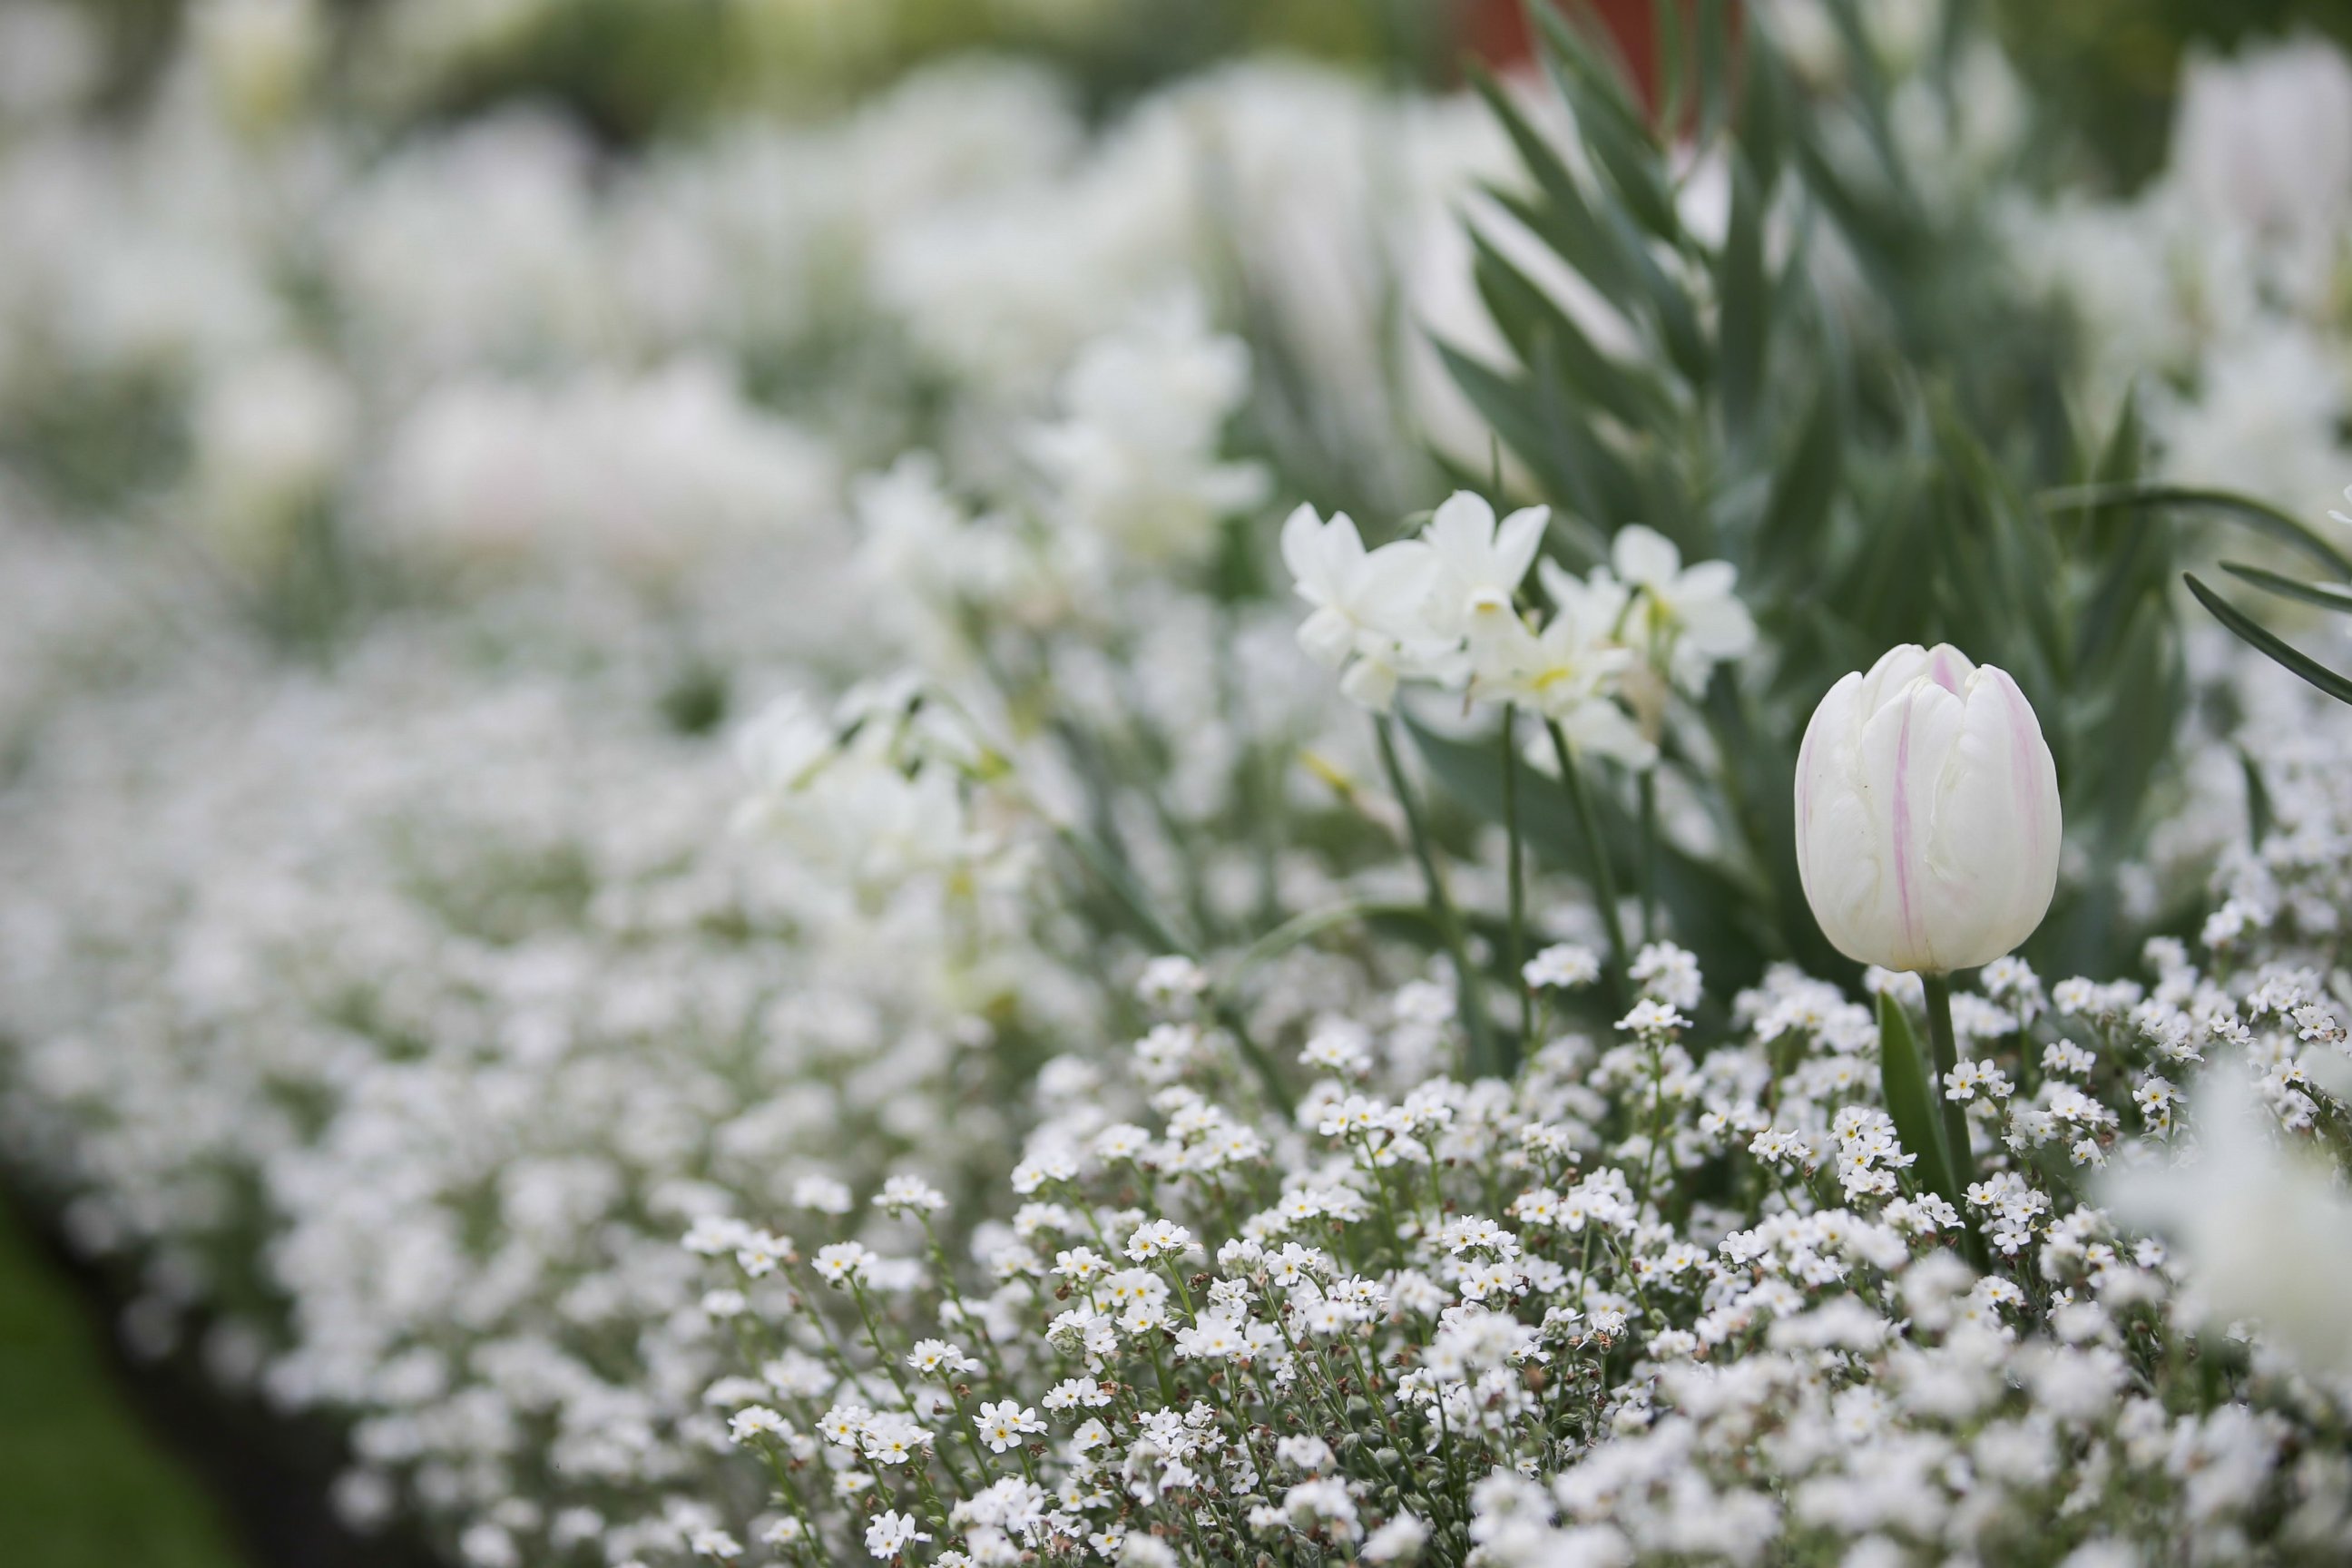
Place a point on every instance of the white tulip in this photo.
(1927, 820)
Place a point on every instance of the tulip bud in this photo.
(1927, 820)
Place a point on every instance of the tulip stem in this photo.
(1604, 878)
(1517, 876)
(1484, 1062)
(1958, 1157)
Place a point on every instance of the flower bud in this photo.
(1927, 820)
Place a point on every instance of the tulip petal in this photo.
(1906, 746)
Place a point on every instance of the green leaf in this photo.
(1804, 490)
(1607, 488)
(2277, 650)
(2118, 733)
(2327, 596)
(1620, 144)
(1676, 67)
(1511, 407)
(1531, 318)
(1745, 310)
(1560, 215)
(2258, 799)
(2260, 516)
(1918, 1122)
(1313, 924)
(1713, 30)
(1763, 110)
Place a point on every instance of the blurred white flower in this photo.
(270, 437)
(259, 57)
(1135, 455)
(642, 475)
(1687, 620)
(2263, 1233)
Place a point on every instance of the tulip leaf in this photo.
(1910, 1100)
(1762, 126)
(2275, 648)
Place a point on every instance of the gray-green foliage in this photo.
(1847, 397)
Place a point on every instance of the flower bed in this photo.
(1214, 794)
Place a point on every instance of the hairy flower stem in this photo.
(1604, 877)
(1518, 951)
(1484, 1061)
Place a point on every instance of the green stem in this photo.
(1483, 1061)
(1518, 951)
(1301, 928)
(1649, 781)
(1261, 1062)
(1956, 1152)
(1604, 878)
(1958, 1158)
(1123, 886)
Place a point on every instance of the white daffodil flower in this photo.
(1686, 618)
(1366, 602)
(1480, 565)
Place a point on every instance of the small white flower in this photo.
(1002, 1424)
(909, 1194)
(844, 1262)
(1157, 1238)
(890, 1532)
(1563, 964)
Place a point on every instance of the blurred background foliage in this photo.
(631, 68)
(2109, 66)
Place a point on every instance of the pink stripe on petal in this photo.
(1943, 671)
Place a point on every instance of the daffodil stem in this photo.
(1596, 849)
(1483, 1059)
(1649, 855)
(1518, 950)
(1947, 1056)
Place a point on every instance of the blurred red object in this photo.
(1495, 32)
